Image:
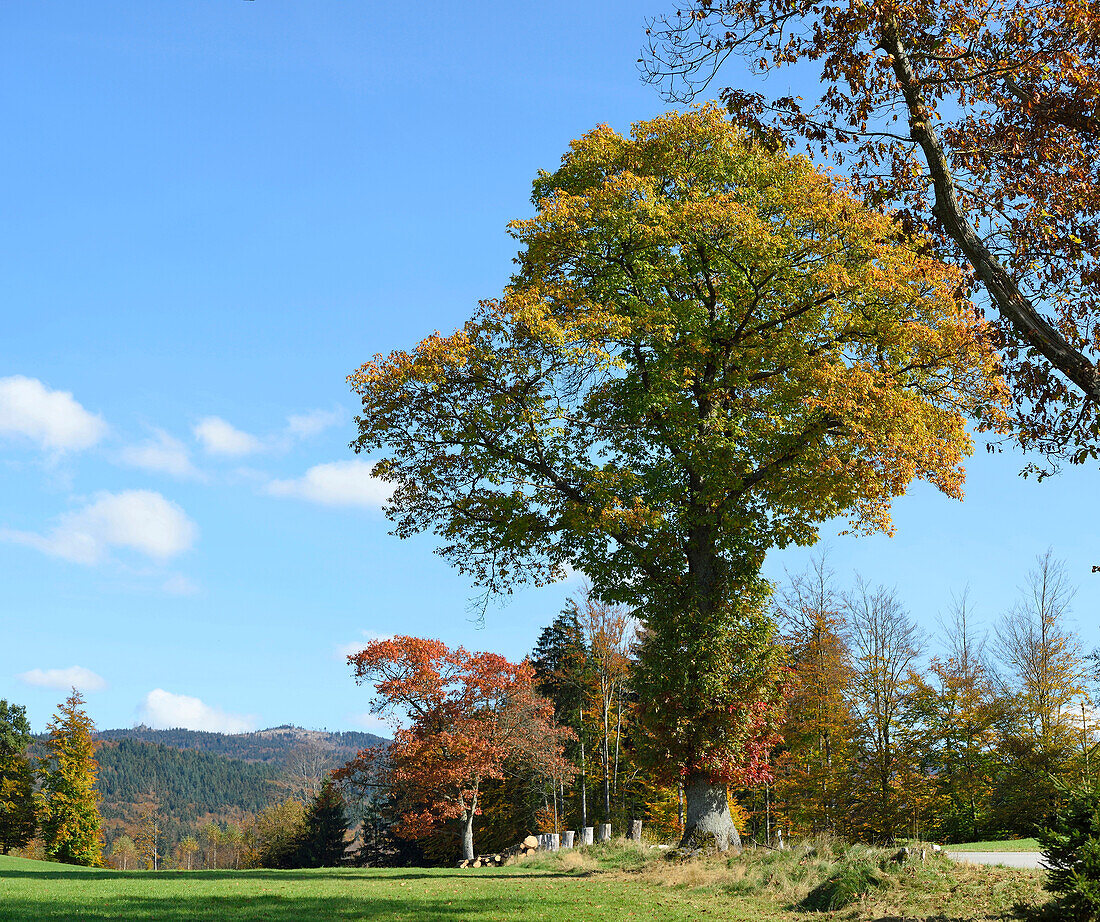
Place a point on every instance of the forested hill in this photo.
(188, 784)
(274, 745)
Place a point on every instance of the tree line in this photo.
(884, 732)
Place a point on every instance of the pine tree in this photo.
(321, 844)
(17, 820)
(69, 801)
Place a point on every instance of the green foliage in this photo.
(1071, 846)
(69, 802)
(17, 815)
(321, 843)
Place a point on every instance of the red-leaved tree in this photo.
(467, 713)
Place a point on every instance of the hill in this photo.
(274, 745)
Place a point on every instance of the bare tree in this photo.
(1043, 667)
(885, 645)
(307, 766)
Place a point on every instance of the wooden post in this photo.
(567, 838)
(636, 831)
(605, 832)
(587, 835)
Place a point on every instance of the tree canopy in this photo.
(979, 121)
(708, 349)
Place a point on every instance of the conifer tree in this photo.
(69, 801)
(322, 840)
(17, 820)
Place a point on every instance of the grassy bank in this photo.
(998, 845)
(600, 884)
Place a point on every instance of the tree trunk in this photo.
(707, 823)
(468, 835)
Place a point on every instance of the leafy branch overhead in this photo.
(979, 121)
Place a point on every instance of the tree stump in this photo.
(587, 835)
(555, 841)
(567, 838)
(636, 831)
(605, 832)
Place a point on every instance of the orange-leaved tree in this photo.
(468, 715)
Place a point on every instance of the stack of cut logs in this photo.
(528, 846)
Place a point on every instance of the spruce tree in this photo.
(321, 844)
(69, 800)
(17, 820)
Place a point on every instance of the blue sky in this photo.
(212, 212)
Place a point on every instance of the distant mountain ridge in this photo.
(273, 745)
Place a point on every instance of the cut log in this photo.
(531, 842)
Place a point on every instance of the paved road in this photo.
(1011, 859)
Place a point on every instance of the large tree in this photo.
(708, 348)
(17, 819)
(979, 121)
(468, 716)
(69, 800)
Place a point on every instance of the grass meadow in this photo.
(604, 883)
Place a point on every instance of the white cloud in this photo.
(53, 419)
(163, 454)
(178, 584)
(344, 650)
(73, 677)
(339, 483)
(221, 438)
(163, 710)
(141, 520)
(372, 723)
(305, 425)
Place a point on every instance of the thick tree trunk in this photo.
(468, 835)
(707, 821)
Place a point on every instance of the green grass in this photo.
(32, 891)
(607, 883)
(999, 845)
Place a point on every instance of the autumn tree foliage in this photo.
(813, 766)
(468, 715)
(957, 714)
(17, 819)
(979, 121)
(708, 348)
(68, 799)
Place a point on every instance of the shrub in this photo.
(1071, 847)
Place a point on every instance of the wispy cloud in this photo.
(52, 419)
(141, 520)
(218, 437)
(339, 483)
(178, 584)
(72, 677)
(162, 454)
(344, 650)
(164, 710)
(307, 425)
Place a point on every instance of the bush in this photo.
(1071, 847)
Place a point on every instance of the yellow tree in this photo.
(957, 713)
(1042, 680)
(708, 349)
(68, 800)
(812, 769)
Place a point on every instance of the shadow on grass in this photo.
(319, 875)
(245, 909)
